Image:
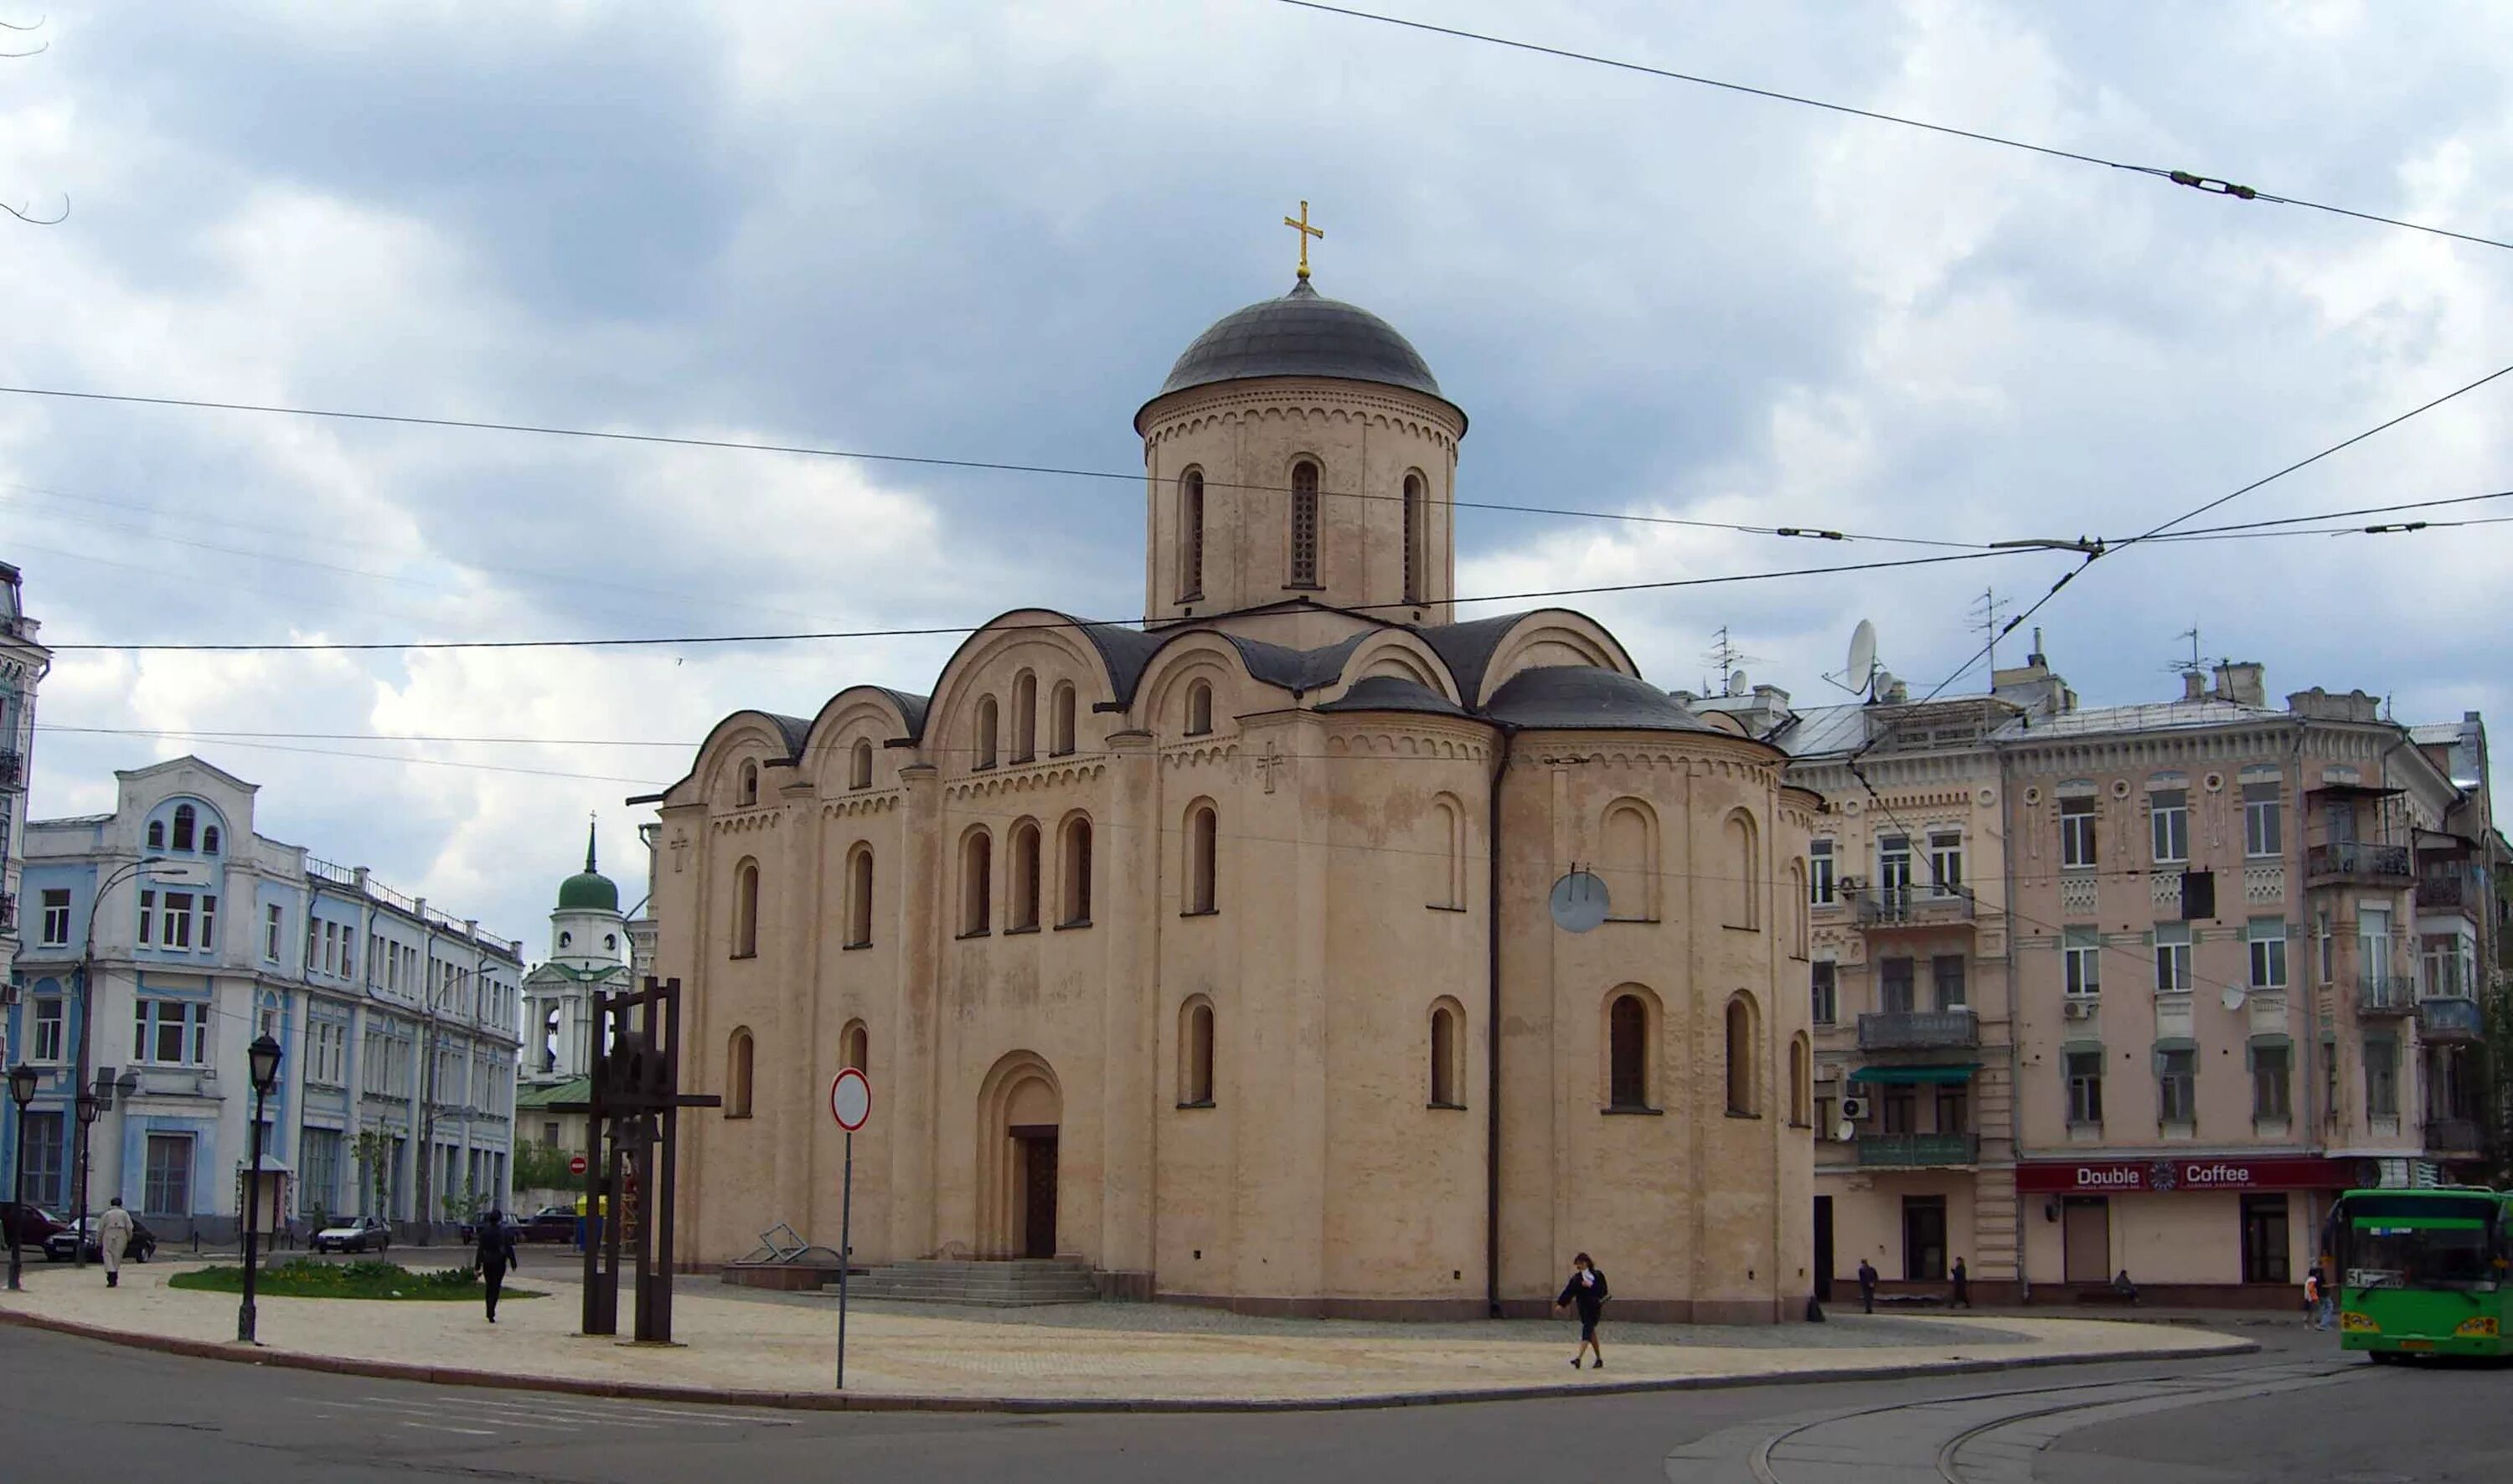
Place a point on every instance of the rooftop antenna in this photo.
(1727, 657)
(1985, 616)
(2194, 665)
(1858, 675)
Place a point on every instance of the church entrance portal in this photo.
(1038, 1189)
(1020, 1114)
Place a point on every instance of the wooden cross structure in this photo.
(632, 1129)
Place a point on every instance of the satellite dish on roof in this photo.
(2232, 997)
(1579, 902)
(1862, 656)
(1736, 682)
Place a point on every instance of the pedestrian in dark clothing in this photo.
(496, 1253)
(1963, 1286)
(1587, 1290)
(1867, 1284)
(2122, 1286)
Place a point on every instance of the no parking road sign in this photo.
(850, 1104)
(850, 1099)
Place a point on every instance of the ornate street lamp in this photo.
(263, 1060)
(21, 1091)
(90, 1109)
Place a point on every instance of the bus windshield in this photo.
(2403, 1242)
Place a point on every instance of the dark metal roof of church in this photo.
(1304, 333)
(1584, 698)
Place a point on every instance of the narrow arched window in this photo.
(1199, 709)
(1740, 1056)
(855, 1047)
(1024, 717)
(1449, 863)
(1801, 1079)
(1627, 1060)
(1305, 524)
(749, 784)
(1445, 1078)
(1202, 836)
(860, 766)
(1195, 1054)
(859, 897)
(209, 840)
(1191, 535)
(1060, 731)
(1744, 873)
(1075, 909)
(1024, 880)
(610, 943)
(737, 1075)
(185, 818)
(745, 909)
(987, 728)
(1414, 553)
(1628, 861)
(156, 835)
(976, 883)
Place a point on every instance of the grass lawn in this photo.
(307, 1278)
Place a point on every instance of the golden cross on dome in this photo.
(1306, 232)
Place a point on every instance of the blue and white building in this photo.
(400, 1023)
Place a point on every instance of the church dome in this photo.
(1302, 334)
(588, 891)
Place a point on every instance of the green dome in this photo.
(588, 891)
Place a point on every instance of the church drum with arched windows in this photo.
(1179, 951)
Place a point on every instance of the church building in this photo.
(1216, 954)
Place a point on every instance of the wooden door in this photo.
(2087, 1230)
(1038, 1195)
(1824, 1248)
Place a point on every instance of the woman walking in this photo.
(1587, 1290)
(497, 1254)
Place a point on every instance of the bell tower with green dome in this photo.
(588, 952)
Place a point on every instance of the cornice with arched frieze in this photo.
(747, 822)
(1673, 758)
(1232, 401)
(1384, 742)
(1201, 751)
(1028, 778)
(857, 805)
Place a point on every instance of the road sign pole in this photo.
(846, 1252)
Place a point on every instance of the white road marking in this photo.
(448, 1427)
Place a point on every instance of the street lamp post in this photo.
(263, 1058)
(86, 1029)
(21, 1091)
(90, 1109)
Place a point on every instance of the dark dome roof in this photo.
(1584, 698)
(1390, 692)
(1302, 334)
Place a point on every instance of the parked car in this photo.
(56, 1247)
(32, 1224)
(471, 1228)
(367, 1234)
(550, 1224)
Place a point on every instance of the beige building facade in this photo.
(1218, 955)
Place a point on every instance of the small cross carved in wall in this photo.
(1266, 765)
(680, 843)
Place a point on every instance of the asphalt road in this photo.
(72, 1409)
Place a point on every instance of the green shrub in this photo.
(312, 1278)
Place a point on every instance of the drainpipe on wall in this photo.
(2015, 1052)
(1492, 1031)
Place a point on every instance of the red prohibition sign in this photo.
(850, 1099)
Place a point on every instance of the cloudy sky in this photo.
(983, 230)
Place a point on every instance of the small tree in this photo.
(374, 1149)
(543, 1168)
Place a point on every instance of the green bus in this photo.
(2423, 1272)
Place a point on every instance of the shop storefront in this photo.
(2202, 1229)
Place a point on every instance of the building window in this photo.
(737, 1075)
(2171, 819)
(1954, 1108)
(1945, 864)
(1191, 535)
(2085, 1087)
(1061, 728)
(2176, 1075)
(1827, 992)
(1024, 717)
(1414, 553)
(855, 1047)
(209, 840)
(1195, 1054)
(270, 924)
(167, 1189)
(859, 897)
(1893, 985)
(2173, 958)
(860, 766)
(1202, 892)
(210, 927)
(185, 819)
(749, 784)
(174, 927)
(1075, 879)
(327, 1053)
(1744, 1097)
(2266, 1242)
(49, 1027)
(171, 1032)
(1448, 886)
(55, 931)
(1894, 875)
(2081, 951)
(745, 909)
(1627, 1058)
(156, 835)
(976, 883)
(1819, 873)
(1445, 1051)
(2381, 1077)
(2270, 1070)
(2269, 953)
(985, 750)
(1023, 917)
(1745, 861)
(1199, 709)
(2328, 942)
(2076, 831)
(2263, 825)
(1627, 863)
(1900, 1110)
(1305, 524)
(44, 1145)
(1946, 972)
(147, 919)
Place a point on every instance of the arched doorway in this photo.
(1020, 1112)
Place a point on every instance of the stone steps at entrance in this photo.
(1015, 1284)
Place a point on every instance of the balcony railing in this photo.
(1918, 1148)
(2448, 1018)
(2385, 995)
(2357, 861)
(1918, 1029)
(2453, 1136)
(2449, 893)
(1913, 907)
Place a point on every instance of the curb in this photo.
(875, 1401)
